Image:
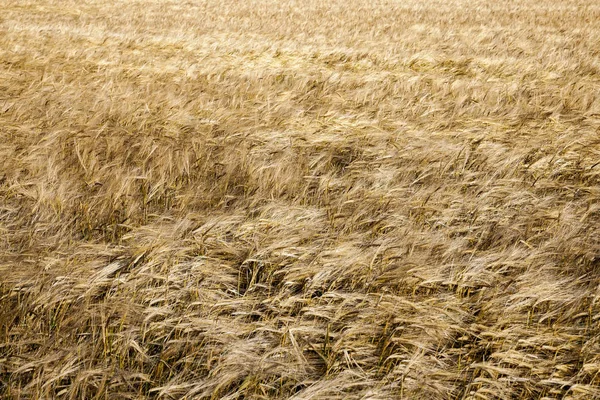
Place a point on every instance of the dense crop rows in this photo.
(353, 199)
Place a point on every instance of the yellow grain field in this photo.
(299, 199)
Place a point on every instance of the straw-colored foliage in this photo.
(272, 199)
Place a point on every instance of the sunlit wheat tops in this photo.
(299, 199)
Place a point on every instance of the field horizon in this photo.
(299, 199)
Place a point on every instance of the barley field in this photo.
(298, 199)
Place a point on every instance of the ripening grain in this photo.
(352, 199)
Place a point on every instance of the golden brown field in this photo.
(273, 199)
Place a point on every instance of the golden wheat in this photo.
(300, 199)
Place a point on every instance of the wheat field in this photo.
(297, 199)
